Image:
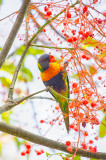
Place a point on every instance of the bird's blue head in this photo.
(44, 62)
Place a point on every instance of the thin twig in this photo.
(39, 97)
(51, 25)
(99, 30)
(14, 31)
(9, 15)
(27, 23)
(10, 94)
(50, 20)
(18, 132)
(11, 103)
(33, 107)
(51, 47)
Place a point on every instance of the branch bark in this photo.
(11, 103)
(15, 131)
(10, 94)
(50, 20)
(14, 31)
(52, 47)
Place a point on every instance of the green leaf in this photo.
(1, 2)
(31, 51)
(92, 70)
(94, 159)
(102, 130)
(6, 116)
(34, 51)
(47, 154)
(8, 66)
(75, 76)
(5, 82)
(77, 158)
(102, 55)
(68, 155)
(25, 74)
(20, 50)
(90, 42)
(19, 142)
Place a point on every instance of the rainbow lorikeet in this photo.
(55, 76)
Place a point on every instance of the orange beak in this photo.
(52, 59)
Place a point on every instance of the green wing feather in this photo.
(63, 100)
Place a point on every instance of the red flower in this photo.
(23, 153)
(68, 15)
(48, 13)
(69, 148)
(85, 9)
(68, 143)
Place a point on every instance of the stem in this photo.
(11, 103)
(9, 15)
(39, 97)
(52, 47)
(27, 23)
(50, 20)
(10, 94)
(52, 27)
(14, 31)
(15, 131)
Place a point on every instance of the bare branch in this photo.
(10, 94)
(52, 47)
(39, 97)
(11, 103)
(15, 131)
(14, 31)
(50, 20)
(9, 15)
(51, 25)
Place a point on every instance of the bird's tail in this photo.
(66, 120)
(65, 111)
(64, 107)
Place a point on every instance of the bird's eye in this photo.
(44, 60)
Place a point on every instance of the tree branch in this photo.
(10, 104)
(13, 102)
(10, 94)
(14, 31)
(51, 25)
(15, 131)
(52, 47)
(39, 97)
(50, 20)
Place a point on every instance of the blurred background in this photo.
(37, 115)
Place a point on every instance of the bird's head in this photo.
(44, 62)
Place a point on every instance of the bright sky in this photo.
(41, 106)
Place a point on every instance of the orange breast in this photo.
(52, 71)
